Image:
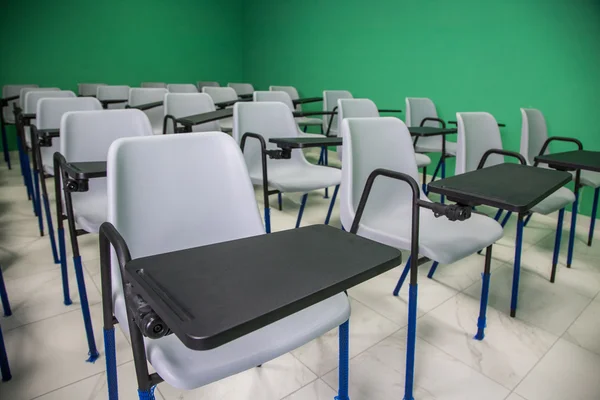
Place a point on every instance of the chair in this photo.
(365, 108)
(7, 116)
(393, 213)
(140, 187)
(478, 132)
(4, 367)
(48, 116)
(202, 84)
(330, 102)
(86, 137)
(242, 89)
(31, 102)
(303, 122)
(219, 95)
(153, 85)
(279, 96)
(534, 133)
(111, 93)
(422, 112)
(178, 105)
(88, 89)
(182, 88)
(156, 115)
(266, 120)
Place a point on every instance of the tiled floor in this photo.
(550, 351)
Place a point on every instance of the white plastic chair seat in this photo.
(440, 239)
(434, 147)
(422, 160)
(589, 178)
(226, 124)
(91, 211)
(307, 121)
(556, 201)
(298, 179)
(188, 369)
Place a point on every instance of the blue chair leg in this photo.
(63, 266)
(437, 169)
(424, 185)
(344, 340)
(267, 219)
(322, 157)
(4, 367)
(331, 204)
(111, 363)
(572, 233)
(593, 220)
(517, 267)
(279, 201)
(485, 289)
(402, 277)
(432, 269)
(559, 227)
(50, 228)
(4, 297)
(301, 211)
(411, 343)
(498, 214)
(506, 218)
(147, 394)
(527, 219)
(85, 310)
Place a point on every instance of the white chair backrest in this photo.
(88, 89)
(282, 97)
(139, 96)
(201, 179)
(202, 84)
(154, 85)
(478, 132)
(354, 108)
(11, 91)
(220, 94)
(330, 98)
(87, 136)
(182, 88)
(418, 108)
(33, 97)
(534, 133)
(290, 90)
(24, 91)
(242, 88)
(113, 92)
(181, 105)
(271, 120)
(370, 144)
(49, 114)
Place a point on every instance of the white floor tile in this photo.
(514, 396)
(379, 373)
(540, 303)
(317, 390)
(585, 331)
(366, 329)
(566, 372)
(510, 347)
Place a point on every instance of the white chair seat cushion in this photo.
(434, 147)
(302, 121)
(440, 239)
(300, 179)
(556, 201)
(226, 124)
(422, 160)
(589, 178)
(90, 211)
(188, 369)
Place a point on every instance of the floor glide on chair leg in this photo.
(485, 288)
(432, 269)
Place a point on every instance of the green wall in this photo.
(65, 42)
(466, 55)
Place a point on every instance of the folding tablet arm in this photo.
(558, 139)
